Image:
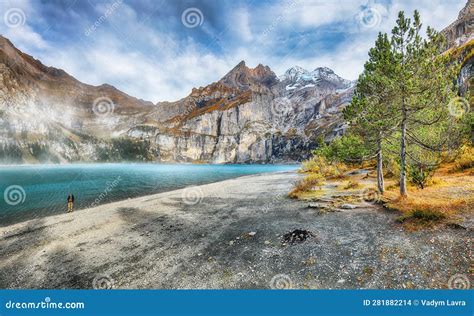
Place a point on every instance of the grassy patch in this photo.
(320, 165)
(422, 216)
(309, 183)
(351, 185)
(465, 159)
(449, 194)
(318, 170)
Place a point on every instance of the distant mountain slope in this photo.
(250, 115)
(461, 31)
(460, 43)
(247, 116)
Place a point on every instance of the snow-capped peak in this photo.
(321, 71)
(299, 77)
(294, 73)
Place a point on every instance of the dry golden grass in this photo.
(350, 185)
(465, 159)
(449, 194)
(317, 170)
(328, 169)
(309, 183)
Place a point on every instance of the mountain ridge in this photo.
(246, 116)
(250, 115)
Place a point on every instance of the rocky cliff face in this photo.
(461, 31)
(48, 116)
(250, 115)
(460, 41)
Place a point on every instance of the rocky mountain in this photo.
(297, 78)
(250, 115)
(247, 116)
(47, 115)
(461, 31)
(460, 43)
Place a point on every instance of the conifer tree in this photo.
(424, 84)
(371, 112)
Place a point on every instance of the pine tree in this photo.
(402, 96)
(371, 112)
(424, 84)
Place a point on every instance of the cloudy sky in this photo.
(160, 49)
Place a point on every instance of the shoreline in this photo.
(282, 163)
(226, 234)
(141, 196)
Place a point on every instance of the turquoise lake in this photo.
(36, 191)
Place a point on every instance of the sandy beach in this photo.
(228, 234)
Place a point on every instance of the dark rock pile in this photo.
(297, 236)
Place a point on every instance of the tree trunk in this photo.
(403, 153)
(380, 181)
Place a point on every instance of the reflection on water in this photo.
(35, 191)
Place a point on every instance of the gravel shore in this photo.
(228, 234)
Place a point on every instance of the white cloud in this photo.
(241, 24)
(25, 37)
(157, 65)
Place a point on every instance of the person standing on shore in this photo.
(70, 203)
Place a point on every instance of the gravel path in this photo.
(228, 235)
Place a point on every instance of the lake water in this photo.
(35, 191)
